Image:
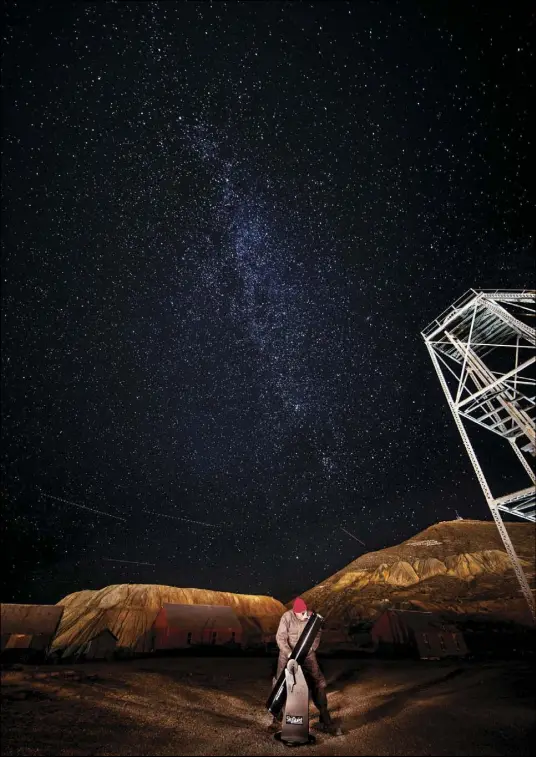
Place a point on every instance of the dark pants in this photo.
(315, 681)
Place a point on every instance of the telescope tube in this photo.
(278, 697)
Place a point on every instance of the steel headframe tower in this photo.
(483, 349)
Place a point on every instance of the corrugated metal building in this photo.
(181, 626)
(335, 637)
(403, 632)
(258, 632)
(28, 630)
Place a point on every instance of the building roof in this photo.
(421, 621)
(201, 616)
(30, 619)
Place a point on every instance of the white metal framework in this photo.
(483, 349)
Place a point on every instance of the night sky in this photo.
(224, 226)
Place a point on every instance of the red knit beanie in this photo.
(299, 605)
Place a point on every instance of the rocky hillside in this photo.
(458, 568)
(129, 611)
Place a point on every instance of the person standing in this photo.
(289, 631)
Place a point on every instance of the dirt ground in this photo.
(216, 706)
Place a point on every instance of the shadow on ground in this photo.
(394, 703)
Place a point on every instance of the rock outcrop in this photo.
(428, 567)
(459, 567)
(129, 610)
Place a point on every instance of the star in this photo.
(224, 232)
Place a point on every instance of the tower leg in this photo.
(521, 577)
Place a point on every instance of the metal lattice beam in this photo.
(485, 382)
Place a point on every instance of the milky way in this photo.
(225, 225)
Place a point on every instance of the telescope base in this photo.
(310, 740)
(295, 720)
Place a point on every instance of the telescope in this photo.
(295, 695)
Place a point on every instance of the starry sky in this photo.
(225, 225)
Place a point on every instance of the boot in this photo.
(325, 718)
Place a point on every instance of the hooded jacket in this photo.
(289, 631)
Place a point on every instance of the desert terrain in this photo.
(205, 706)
